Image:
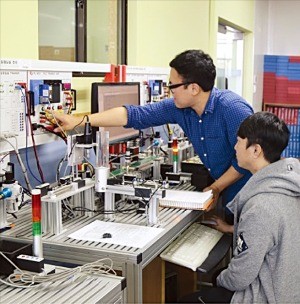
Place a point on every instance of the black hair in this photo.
(267, 130)
(195, 66)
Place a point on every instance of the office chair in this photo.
(208, 294)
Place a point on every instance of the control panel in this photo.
(27, 99)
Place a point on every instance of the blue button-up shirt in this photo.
(213, 134)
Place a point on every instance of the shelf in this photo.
(282, 105)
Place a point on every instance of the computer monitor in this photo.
(110, 95)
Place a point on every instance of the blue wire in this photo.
(26, 146)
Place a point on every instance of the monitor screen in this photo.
(110, 95)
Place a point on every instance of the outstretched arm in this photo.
(115, 117)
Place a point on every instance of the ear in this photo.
(257, 151)
(196, 89)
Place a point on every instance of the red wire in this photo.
(33, 140)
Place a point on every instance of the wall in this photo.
(19, 29)
(260, 49)
(284, 27)
(83, 87)
(159, 30)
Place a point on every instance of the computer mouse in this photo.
(106, 235)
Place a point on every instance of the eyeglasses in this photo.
(177, 85)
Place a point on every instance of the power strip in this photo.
(30, 263)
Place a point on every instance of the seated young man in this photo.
(265, 267)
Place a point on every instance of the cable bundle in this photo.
(25, 279)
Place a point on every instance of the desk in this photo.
(80, 289)
(138, 265)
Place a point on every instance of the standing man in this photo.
(209, 117)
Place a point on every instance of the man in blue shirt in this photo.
(209, 117)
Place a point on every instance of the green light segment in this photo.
(175, 157)
(36, 228)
